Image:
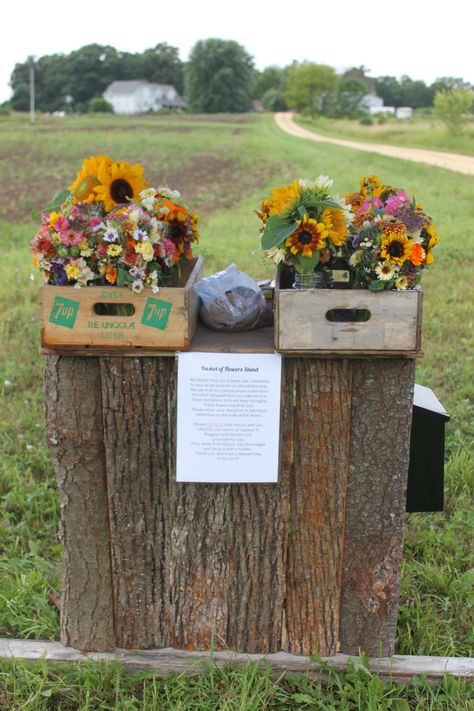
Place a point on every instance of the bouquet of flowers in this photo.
(111, 227)
(391, 237)
(304, 224)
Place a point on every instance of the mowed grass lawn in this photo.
(224, 166)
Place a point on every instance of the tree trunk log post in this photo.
(309, 565)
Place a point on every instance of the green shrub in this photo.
(98, 105)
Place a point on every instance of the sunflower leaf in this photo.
(276, 231)
(305, 264)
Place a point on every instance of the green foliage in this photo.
(451, 108)
(98, 105)
(72, 80)
(348, 97)
(366, 121)
(273, 100)
(90, 686)
(307, 86)
(218, 77)
(270, 78)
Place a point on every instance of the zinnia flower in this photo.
(417, 255)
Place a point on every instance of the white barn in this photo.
(139, 96)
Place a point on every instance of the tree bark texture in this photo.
(380, 450)
(75, 438)
(150, 563)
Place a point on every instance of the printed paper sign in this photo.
(228, 417)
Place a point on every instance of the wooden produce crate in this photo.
(163, 321)
(321, 322)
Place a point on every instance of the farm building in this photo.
(139, 96)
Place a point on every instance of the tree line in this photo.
(219, 76)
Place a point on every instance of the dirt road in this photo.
(451, 161)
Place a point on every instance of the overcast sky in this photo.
(415, 37)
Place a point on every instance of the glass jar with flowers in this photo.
(304, 225)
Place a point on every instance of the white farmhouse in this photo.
(139, 96)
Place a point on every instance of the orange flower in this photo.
(417, 255)
(111, 274)
(175, 212)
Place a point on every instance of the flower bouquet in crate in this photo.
(390, 240)
(131, 245)
(304, 226)
(386, 240)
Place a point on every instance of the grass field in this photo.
(224, 166)
(413, 133)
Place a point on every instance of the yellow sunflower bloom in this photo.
(335, 223)
(396, 248)
(119, 183)
(86, 180)
(283, 198)
(308, 237)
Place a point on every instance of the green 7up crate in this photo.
(73, 320)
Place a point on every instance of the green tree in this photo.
(350, 93)
(90, 70)
(162, 65)
(272, 100)
(270, 78)
(218, 77)
(390, 90)
(308, 85)
(415, 93)
(451, 108)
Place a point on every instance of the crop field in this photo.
(224, 166)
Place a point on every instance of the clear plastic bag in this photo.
(232, 301)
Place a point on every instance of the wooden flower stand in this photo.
(309, 565)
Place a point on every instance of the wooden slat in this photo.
(301, 323)
(321, 443)
(382, 396)
(174, 661)
(75, 439)
(135, 396)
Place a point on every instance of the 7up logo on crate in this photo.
(156, 313)
(64, 312)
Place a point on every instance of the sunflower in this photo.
(282, 199)
(396, 248)
(308, 237)
(335, 222)
(119, 183)
(86, 180)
